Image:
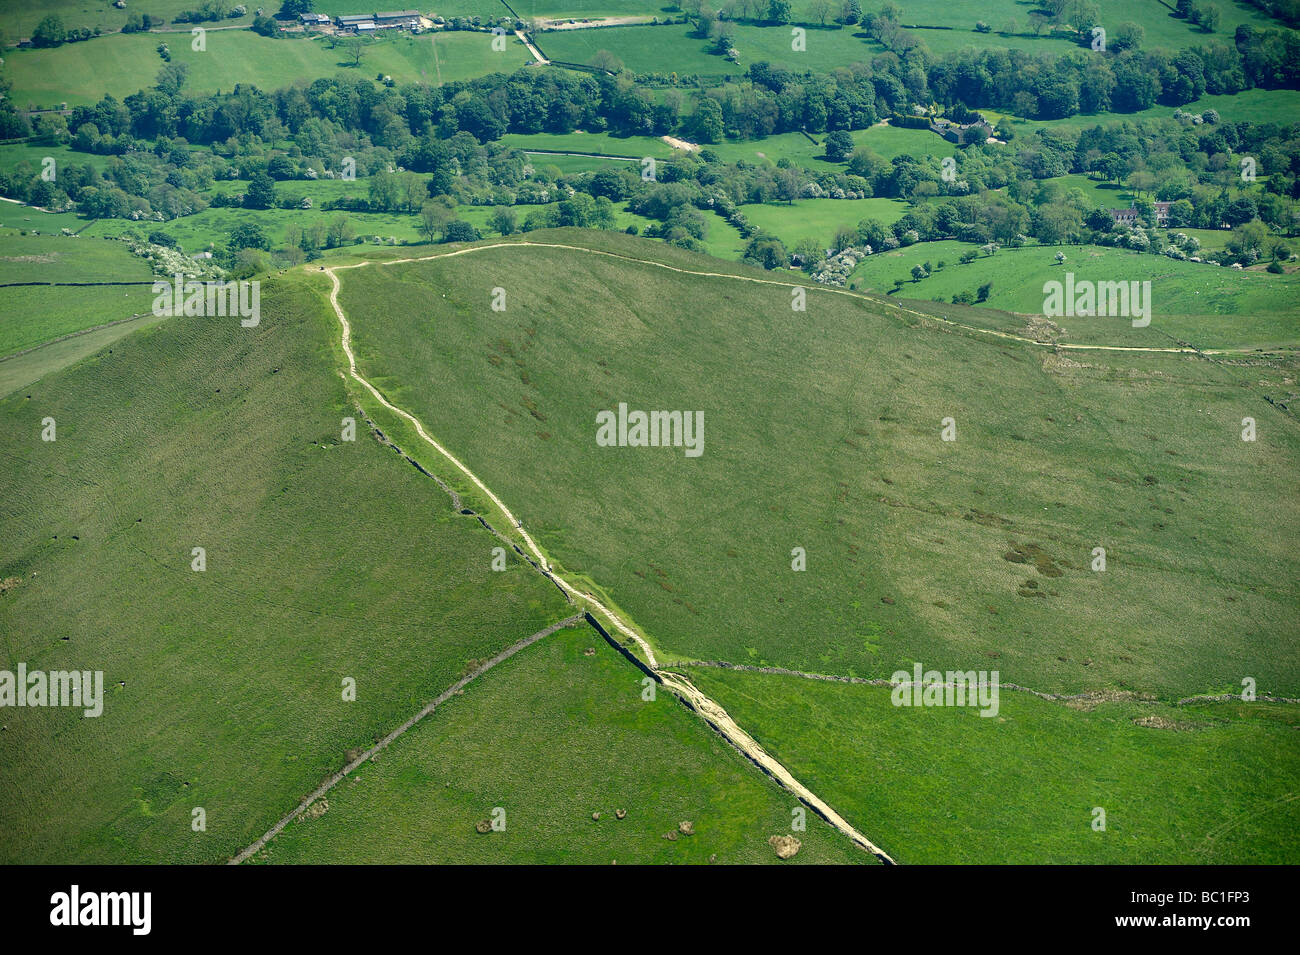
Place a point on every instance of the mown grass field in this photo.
(325, 559)
(672, 48)
(81, 73)
(1209, 784)
(65, 259)
(918, 549)
(818, 219)
(552, 736)
(30, 315)
(885, 141)
(1206, 305)
(1160, 26)
(21, 369)
(20, 18)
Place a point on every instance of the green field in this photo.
(671, 48)
(566, 735)
(603, 144)
(81, 73)
(222, 687)
(30, 315)
(911, 533)
(909, 470)
(917, 551)
(1206, 305)
(819, 218)
(1205, 785)
(885, 141)
(1248, 106)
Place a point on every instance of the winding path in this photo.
(711, 711)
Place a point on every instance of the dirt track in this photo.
(711, 711)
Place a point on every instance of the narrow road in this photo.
(711, 711)
(537, 54)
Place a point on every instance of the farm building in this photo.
(355, 21)
(400, 18)
(1129, 216)
(313, 19)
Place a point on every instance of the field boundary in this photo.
(710, 711)
(369, 754)
(812, 287)
(1015, 687)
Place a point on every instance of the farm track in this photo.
(814, 287)
(692, 696)
(712, 713)
(369, 754)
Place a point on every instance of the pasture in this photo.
(81, 73)
(1207, 305)
(918, 548)
(1193, 785)
(567, 735)
(325, 560)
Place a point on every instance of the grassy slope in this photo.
(325, 560)
(552, 736)
(20, 370)
(829, 440)
(32, 315)
(944, 785)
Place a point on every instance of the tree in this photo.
(266, 26)
(1206, 17)
(821, 10)
(172, 77)
(706, 124)
(984, 291)
(1127, 36)
(1240, 211)
(766, 251)
(460, 231)
(385, 190)
(290, 9)
(839, 146)
(248, 235)
(607, 61)
(261, 192)
(918, 273)
(49, 32)
(850, 12)
(778, 11)
(339, 232)
(434, 217)
(503, 220)
(354, 50)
